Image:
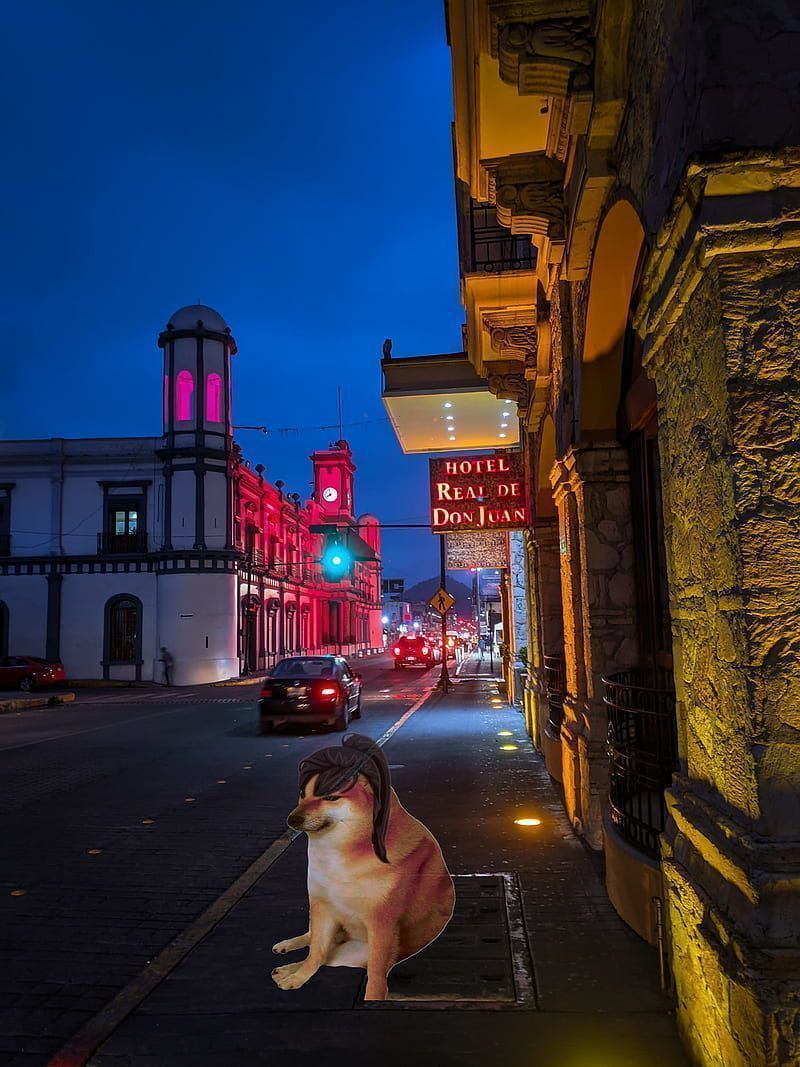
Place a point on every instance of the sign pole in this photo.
(444, 680)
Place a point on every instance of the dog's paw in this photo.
(289, 976)
(291, 944)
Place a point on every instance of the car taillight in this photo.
(326, 690)
(266, 691)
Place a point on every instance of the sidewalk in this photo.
(570, 985)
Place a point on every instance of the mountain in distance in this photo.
(425, 590)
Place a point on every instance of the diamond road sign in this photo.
(441, 601)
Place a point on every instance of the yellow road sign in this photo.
(441, 601)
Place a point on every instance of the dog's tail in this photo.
(371, 753)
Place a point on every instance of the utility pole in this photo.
(444, 680)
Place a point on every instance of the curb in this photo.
(251, 679)
(18, 703)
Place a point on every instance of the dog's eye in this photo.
(331, 798)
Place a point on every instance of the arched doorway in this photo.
(615, 266)
(251, 617)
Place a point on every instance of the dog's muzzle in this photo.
(296, 820)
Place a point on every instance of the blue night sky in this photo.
(290, 166)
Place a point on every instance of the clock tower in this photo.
(333, 481)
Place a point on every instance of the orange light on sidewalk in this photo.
(528, 822)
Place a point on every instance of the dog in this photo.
(379, 890)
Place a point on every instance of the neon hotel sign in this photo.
(478, 493)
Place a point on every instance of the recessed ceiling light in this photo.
(447, 404)
(450, 417)
(503, 425)
(502, 435)
(452, 438)
(506, 401)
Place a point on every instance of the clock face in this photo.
(330, 494)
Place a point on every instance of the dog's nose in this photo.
(295, 820)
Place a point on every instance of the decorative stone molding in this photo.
(512, 333)
(739, 205)
(528, 190)
(546, 58)
(509, 387)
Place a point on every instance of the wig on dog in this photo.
(338, 770)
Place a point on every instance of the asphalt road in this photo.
(122, 817)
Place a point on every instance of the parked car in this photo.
(30, 672)
(318, 689)
(413, 651)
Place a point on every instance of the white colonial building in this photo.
(112, 548)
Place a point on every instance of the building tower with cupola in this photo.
(197, 500)
(197, 346)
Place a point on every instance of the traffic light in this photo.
(337, 559)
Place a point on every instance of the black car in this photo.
(321, 689)
(414, 651)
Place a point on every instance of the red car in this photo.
(413, 651)
(30, 672)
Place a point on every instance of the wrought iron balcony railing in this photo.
(115, 544)
(643, 747)
(555, 681)
(491, 248)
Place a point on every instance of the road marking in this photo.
(81, 1046)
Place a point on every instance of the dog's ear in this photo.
(376, 770)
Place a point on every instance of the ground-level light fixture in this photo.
(527, 822)
(504, 733)
(509, 748)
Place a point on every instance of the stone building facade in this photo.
(649, 154)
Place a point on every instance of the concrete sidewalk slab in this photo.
(597, 995)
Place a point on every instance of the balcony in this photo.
(643, 748)
(129, 544)
(555, 682)
(488, 248)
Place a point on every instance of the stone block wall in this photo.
(728, 377)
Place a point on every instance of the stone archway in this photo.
(615, 265)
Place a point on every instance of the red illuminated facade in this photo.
(286, 606)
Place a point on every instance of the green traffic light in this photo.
(337, 560)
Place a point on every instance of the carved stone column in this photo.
(721, 306)
(545, 541)
(592, 491)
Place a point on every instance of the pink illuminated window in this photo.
(184, 387)
(213, 398)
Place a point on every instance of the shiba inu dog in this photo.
(378, 887)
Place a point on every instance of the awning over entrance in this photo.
(439, 404)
